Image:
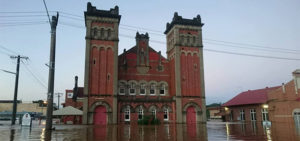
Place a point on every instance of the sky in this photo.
(247, 44)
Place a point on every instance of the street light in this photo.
(44, 103)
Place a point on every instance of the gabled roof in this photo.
(131, 53)
(67, 111)
(258, 96)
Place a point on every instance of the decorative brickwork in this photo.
(141, 82)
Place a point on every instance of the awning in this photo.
(67, 111)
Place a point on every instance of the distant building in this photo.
(36, 107)
(214, 111)
(69, 99)
(70, 102)
(250, 105)
(284, 102)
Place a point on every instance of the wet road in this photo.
(213, 131)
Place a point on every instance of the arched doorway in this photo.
(100, 117)
(191, 115)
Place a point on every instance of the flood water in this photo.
(212, 131)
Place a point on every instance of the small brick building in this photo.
(250, 105)
(140, 81)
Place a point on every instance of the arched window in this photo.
(154, 113)
(127, 114)
(142, 89)
(162, 89)
(166, 114)
(152, 89)
(132, 89)
(141, 113)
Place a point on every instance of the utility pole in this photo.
(13, 120)
(51, 73)
(58, 98)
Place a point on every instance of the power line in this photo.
(5, 53)
(252, 55)
(18, 16)
(211, 50)
(23, 22)
(245, 44)
(9, 50)
(3, 26)
(156, 32)
(47, 12)
(34, 76)
(260, 49)
(22, 12)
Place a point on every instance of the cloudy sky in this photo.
(247, 44)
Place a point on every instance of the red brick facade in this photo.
(250, 105)
(140, 81)
(284, 103)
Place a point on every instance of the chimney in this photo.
(296, 75)
(283, 88)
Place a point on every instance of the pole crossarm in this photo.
(8, 71)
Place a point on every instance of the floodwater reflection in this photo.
(165, 132)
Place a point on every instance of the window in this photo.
(194, 39)
(69, 95)
(265, 114)
(127, 114)
(153, 113)
(142, 89)
(122, 89)
(94, 61)
(253, 114)
(242, 115)
(166, 114)
(95, 31)
(162, 89)
(102, 32)
(152, 89)
(132, 89)
(231, 115)
(181, 39)
(141, 113)
(108, 33)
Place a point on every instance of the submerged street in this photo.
(213, 130)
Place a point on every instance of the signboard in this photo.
(69, 95)
(26, 120)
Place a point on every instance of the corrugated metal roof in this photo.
(67, 111)
(250, 97)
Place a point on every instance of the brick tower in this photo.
(185, 53)
(101, 65)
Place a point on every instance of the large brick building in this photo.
(140, 81)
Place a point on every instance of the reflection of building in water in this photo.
(141, 82)
(250, 105)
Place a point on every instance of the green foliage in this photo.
(148, 119)
(155, 121)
